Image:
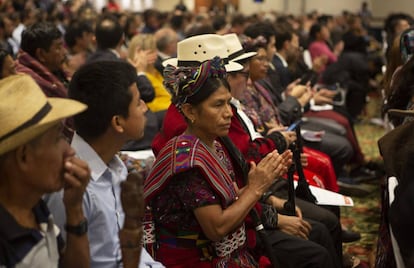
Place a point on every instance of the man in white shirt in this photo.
(115, 115)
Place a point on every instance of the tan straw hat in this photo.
(25, 111)
(235, 49)
(196, 49)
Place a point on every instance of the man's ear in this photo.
(22, 158)
(40, 54)
(286, 44)
(188, 111)
(117, 123)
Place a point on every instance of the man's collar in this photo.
(95, 162)
(282, 59)
(115, 52)
(163, 56)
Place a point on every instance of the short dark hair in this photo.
(282, 35)
(314, 30)
(324, 19)
(108, 32)
(104, 87)
(219, 22)
(238, 19)
(75, 30)
(261, 28)
(148, 13)
(199, 30)
(39, 35)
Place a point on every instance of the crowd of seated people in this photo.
(212, 95)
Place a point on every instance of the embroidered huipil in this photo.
(185, 176)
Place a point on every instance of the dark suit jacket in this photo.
(290, 109)
(144, 85)
(397, 149)
(158, 65)
(283, 72)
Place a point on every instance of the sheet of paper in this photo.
(314, 136)
(325, 107)
(143, 154)
(326, 197)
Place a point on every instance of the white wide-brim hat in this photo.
(26, 112)
(197, 49)
(235, 49)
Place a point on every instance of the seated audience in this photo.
(319, 35)
(162, 97)
(175, 125)
(41, 56)
(109, 39)
(79, 39)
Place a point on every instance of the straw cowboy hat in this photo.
(25, 111)
(235, 49)
(195, 50)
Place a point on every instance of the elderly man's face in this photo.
(45, 157)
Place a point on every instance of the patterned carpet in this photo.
(364, 217)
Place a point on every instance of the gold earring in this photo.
(192, 121)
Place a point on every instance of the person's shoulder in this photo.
(102, 55)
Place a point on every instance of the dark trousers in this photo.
(328, 216)
(295, 252)
(337, 147)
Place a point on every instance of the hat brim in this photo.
(244, 56)
(231, 66)
(401, 113)
(61, 109)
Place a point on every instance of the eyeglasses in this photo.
(244, 74)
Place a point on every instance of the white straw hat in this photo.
(235, 49)
(197, 49)
(25, 111)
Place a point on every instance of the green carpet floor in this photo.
(364, 217)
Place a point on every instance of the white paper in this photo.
(324, 107)
(313, 136)
(141, 155)
(326, 197)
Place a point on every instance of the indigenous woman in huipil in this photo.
(197, 208)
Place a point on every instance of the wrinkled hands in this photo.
(130, 236)
(76, 177)
(132, 199)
